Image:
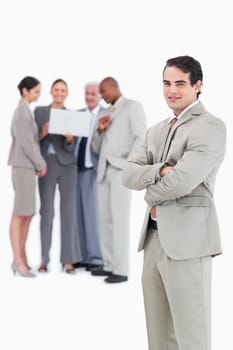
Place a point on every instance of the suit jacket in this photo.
(122, 137)
(64, 152)
(25, 150)
(94, 156)
(186, 215)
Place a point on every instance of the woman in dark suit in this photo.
(58, 151)
(26, 161)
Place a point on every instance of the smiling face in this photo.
(177, 89)
(92, 96)
(59, 93)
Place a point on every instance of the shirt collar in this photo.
(118, 102)
(183, 112)
(95, 110)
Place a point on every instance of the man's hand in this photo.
(166, 169)
(153, 213)
(103, 123)
(163, 171)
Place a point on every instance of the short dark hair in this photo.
(110, 80)
(188, 65)
(59, 81)
(28, 83)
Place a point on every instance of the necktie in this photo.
(152, 223)
(81, 153)
(172, 122)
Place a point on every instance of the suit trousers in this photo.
(177, 298)
(114, 208)
(66, 178)
(88, 217)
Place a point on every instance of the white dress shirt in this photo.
(94, 113)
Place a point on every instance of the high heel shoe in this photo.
(43, 268)
(69, 270)
(17, 271)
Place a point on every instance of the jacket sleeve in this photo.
(138, 126)
(96, 141)
(70, 147)
(139, 170)
(28, 140)
(97, 138)
(204, 153)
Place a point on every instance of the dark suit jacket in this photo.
(64, 152)
(94, 156)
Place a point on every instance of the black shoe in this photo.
(92, 267)
(116, 279)
(80, 265)
(101, 272)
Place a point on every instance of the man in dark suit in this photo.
(87, 210)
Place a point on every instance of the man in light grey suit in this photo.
(119, 133)
(177, 166)
(87, 203)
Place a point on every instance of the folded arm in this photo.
(139, 171)
(204, 153)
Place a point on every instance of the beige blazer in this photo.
(186, 216)
(25, 150)
(123, 136)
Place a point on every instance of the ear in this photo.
(198, 86)
(24, 92)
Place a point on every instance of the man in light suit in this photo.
(177, 166)
(87, 203)
(119, 133)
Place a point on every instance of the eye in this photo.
(180, 83)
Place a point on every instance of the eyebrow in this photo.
(177, 81)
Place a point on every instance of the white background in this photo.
(89, 40)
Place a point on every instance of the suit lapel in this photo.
(116, 110)
(163, 136)
(190, 114)
(171, 135)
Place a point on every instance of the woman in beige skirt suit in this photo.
(27, 162)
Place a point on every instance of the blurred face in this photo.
(33, 94)
(108, 92)
(92, 96)
(177, 89)
(59, 93)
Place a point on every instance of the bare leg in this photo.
(18, 235)
(24, 234)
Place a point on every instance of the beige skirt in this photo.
(24, 184)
